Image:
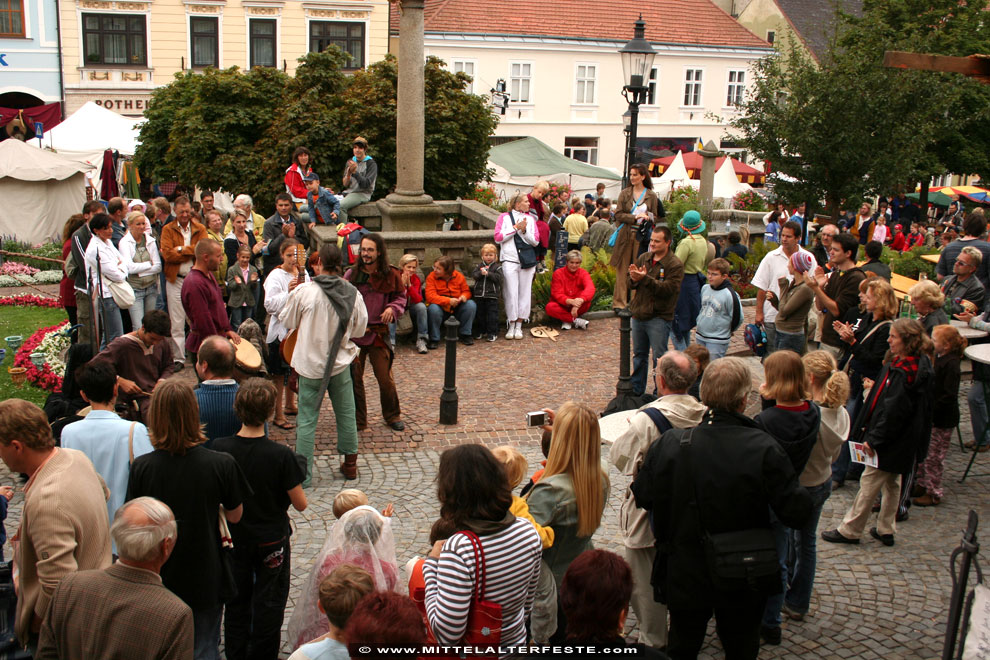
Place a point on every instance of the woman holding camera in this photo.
(636, 204)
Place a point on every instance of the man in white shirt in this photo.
(326, 313)
(771, 269)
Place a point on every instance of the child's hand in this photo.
(7, 491)
(388, 510)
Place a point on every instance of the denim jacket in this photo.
(552, 503)
(326, 203)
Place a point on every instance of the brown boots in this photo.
(348, 467)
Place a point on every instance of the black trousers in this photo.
(486, 318)
(253, 624)
(737, 624)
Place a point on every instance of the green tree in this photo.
(202, 128)
(248, 144)
(849, 126)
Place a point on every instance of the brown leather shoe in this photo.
(926, 500)
(348, 467)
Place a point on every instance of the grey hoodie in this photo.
(629, 449)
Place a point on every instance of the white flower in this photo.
(54, 346)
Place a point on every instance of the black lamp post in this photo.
(637, 62)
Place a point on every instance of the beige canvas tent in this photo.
(40, 190)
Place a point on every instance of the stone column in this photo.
(409, 207)
(706, 191)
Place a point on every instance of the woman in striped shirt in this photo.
(474, 495)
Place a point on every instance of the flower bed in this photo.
(53, 343)
(41, 277)
(28, 300)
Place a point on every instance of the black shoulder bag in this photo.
(744, 560)
(526, 252)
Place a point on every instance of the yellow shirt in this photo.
(576, 225)
(520, 509)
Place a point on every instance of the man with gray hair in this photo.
(244, 203)
(963, 285)
(128, 612)
(675, 408)
(725, 475)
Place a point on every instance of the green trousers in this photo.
(341, 393)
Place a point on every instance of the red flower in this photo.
(28, 300)
(44, 377)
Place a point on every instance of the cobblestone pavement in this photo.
(870, 601)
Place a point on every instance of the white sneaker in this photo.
(511, 332)
(566, 326)
(518, 333)
(581, 324)
(421, 345)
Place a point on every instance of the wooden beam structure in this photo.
(974, 66)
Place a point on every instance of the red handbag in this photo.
(484, 623)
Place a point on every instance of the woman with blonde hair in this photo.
(894, 425)
(143, 263)
(928, 301)
(539, 208)
(518, 235)
(865, 335)
(195, 483)
(570, 498)
(829, 389)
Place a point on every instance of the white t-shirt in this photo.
(771, 269)
(276, 295)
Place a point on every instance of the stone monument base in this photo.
(404, 213)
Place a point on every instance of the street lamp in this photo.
(637, 63)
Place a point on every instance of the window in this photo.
(585, 83)
(584, 149)
(692, 87)
(11, 18)
(262, 42)
(115, 39)
(771, 36)
(204, 38)
(465, 66)
(737, 88)
(519, 78)
(651, 92)
(349, 37)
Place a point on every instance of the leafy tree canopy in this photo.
(848, 126)
(238, 130)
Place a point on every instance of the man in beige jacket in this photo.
(64, 526)
(675, 373)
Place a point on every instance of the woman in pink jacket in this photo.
(571, 292)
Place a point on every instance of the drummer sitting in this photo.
(142, 359)
(215, 395)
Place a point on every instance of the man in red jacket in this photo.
(571, 292)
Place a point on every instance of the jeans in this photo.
(341, 391)
(978, 411)
(803, 552)
(464, 313)
(771, 331)
(162, 302)
(681, 341)
(254, 617)
(113, 327)
(716, 350)
(486, 318)
(790, 341)
(646, 335)
(350, 201)
(417, 312)
(206, 633)
(145, 301)
(239, 315)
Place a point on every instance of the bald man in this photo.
(202, 300)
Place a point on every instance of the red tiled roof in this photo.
(694, 22)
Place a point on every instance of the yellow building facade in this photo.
(116, 52)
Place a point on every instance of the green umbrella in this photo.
(936, 198)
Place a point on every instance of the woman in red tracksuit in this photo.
(571, 292)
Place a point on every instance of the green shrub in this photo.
(745, 269)
(51, 250)
(910, 264)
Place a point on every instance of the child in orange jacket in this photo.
(447, 292)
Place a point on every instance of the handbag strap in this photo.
(479, 565)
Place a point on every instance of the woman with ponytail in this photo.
(830, 390)
(894, 425)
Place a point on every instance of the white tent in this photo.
(674, 176)
(519, 164)
(40, 190)
(90, 131)
(726, 182)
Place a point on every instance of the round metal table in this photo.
(969, 333)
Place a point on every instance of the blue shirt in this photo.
(103, 437)
(325, 649)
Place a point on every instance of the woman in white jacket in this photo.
(516, 232)
(101, 250)
(142, 263)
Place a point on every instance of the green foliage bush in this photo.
(745, 269)
(51, 250)
(910, 264)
